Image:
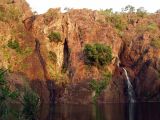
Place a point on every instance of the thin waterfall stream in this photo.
(131, 93)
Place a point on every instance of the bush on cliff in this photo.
(152, 27)
(10, 13)
(14, 44)
(52, 56)
(97, 54)
(141, 12)
(155, 43)
(6, 96)
(98, 86)
(118, 22)
(31, 102)
(54, 37)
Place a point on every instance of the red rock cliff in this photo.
(134, 41)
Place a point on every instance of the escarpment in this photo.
(48, 49)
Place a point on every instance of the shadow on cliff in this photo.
(45, 89)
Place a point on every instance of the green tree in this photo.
(129, 9)
(31, 102)
(141, 12)
(14, 44)
(54, 36)
(97, 54)
(98, 86)
(106, 12)
(6, 96)
(52, 56)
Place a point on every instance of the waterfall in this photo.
(117, 61)
(131, 93)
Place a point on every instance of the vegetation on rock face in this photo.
(51, 15)
(30, 102)
(14, 44)
(141, 12)
(52, 56)
(121, 20)
(107, 12)
(10, 13)
(152, 26)
(115, 19)
(31, 105)
(54, 37)
(118, 22)
(155, 43)
(6, 96)
(98, 86)
(97, 54)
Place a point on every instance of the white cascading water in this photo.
(117, 61)
(131, 93)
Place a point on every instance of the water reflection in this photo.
(138, 111)
(134, 111)
(131, 111)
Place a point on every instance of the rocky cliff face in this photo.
(57, 70)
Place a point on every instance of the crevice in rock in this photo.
(66, 56)
(121, 54)
(50, 83)
(28, 22)
(42, 61)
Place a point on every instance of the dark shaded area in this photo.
(39, 86)
(138, 111)
(152, 91)
(52, 91)
(42, 61)
(28, 22)
(140, 59)
(66, 56)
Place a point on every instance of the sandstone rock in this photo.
(67, 79)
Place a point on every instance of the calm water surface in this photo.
(138, 111)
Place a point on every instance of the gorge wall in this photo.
(57, 71)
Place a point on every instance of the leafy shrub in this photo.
(118, 22)
(98, 54)
(11, 13)
(6, 96)
(31, 102)
(129, 9)
(4, 88)
(107, 12)
(152, 26)
(14, 13)
(52, 56)
(2, 80)
(99, 86)
(51, 15)
(14, 44)
(26, 51)
(141, 12)
(115, 19)
(55, 36)
(155, 43)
